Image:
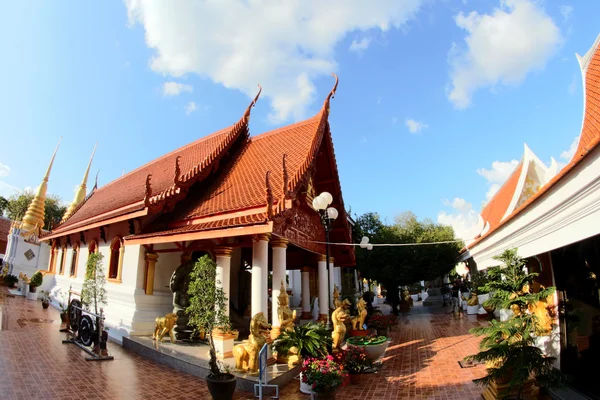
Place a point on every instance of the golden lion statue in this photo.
(359, 320)
(293, 357)
(246, 354)
(165, 325)
(338, 318)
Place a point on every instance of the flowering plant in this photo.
(381, 321)
(323, 375)
(356, 360)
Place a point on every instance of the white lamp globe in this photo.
(318, 203)
(369, 246)
(332, 213)
(327, 197)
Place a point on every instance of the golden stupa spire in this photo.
(33, 221)
(81, 190)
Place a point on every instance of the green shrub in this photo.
(36, 279)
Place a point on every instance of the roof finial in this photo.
(177, 171)
(269, 191)
(96, 184)
(331, 94)
(247, 113)
(148, 193)
(81, 190)
(33, 221)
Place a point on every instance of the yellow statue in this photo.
(359, 320)
(293, 357)
(286, 315)
(165, 325)
(336, 297)
(473, 300)
(246, 354)
(338, 318)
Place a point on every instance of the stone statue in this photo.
(180, 281)
(293, 357)
(338, 318)
(246, 354)
(164, 326)
(359, 320)
(286, 315)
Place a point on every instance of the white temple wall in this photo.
(166, 264)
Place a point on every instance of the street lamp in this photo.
(364, 244)
(328, 215)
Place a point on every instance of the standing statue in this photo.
(336, 297)
(338, 318)
(180, 281)
(286, 315)
(246, 354)
(359, 320)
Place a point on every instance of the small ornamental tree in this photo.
(508, 347)
(207, 308)
(93, 292)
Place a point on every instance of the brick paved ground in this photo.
(421, 363)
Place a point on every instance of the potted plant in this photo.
(356, 360)
(64, 306)
(508, 348)
(207, 312)
(11, 281)
(375, 345)
(45, 299)
(35, 281)
(380, 322)
(311, 340)
(323, 375)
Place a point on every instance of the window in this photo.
(73, 270)
(93, 247)
(116, 251)
(61, 266)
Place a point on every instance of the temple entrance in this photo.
(576, 269)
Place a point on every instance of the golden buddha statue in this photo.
(338, 318)
(286, 315)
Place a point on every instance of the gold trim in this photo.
(114, 280)
(306, 269)
(151, 257)
(223, 251)
(331, 260)
(280, 242)
(321, 258)
(265, 237)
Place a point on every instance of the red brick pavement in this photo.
(421, 363)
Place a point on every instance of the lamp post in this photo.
(364, 244)
(328, 215)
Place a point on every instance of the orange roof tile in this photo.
(589, 139)
(498, 204)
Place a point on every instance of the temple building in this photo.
(244, 200)
(552, 218)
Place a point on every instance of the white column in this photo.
(260, 266)
(337, 272)
(279, 246)
(306, 293)
(296, 285)
(223, 271)
(331, 281)
(323, 289)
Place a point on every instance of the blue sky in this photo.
(473, 80)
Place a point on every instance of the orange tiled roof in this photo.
(128, 193)
(589, 139)
(255, 219)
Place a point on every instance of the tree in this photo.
(508, 347)
(207, 307)
(17, 205)
(395, 266)
(3, 204)
(93, 292)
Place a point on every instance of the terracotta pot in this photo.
(355, 379)
(45, 305)
(353, 332)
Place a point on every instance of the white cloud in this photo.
(501, 48)
(175, 88)
(362, 45)
(4, 170)
(464, 220)
(497, 175)
(566, 11)
(414, 126)
(567, 155)
(573, 85)
(284, 46)
(190, 108)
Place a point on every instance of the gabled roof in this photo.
(158, 180)
(590, 130)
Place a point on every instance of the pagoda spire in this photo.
(81, 190)
(33, 221)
